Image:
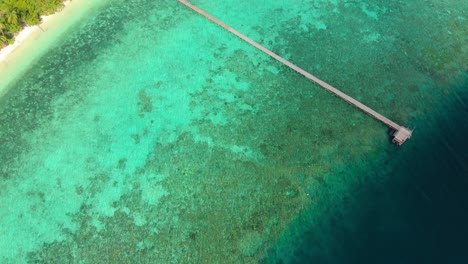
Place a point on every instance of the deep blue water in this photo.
(418, 215)
(151, 135)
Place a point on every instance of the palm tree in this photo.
(3, 39)
(2, 26)
(11, 17)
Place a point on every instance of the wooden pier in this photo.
(399, 133)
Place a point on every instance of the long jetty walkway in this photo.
(400, 134)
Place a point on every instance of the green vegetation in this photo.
(16, 14)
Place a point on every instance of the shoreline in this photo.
(34, 41)
(23, 35)
(26, 32)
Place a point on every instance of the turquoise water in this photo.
(150, 134)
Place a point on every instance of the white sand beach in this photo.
(23, 35)
(32, 42)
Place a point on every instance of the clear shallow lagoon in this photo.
(150, 134)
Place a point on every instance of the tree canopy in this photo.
(17, 14)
